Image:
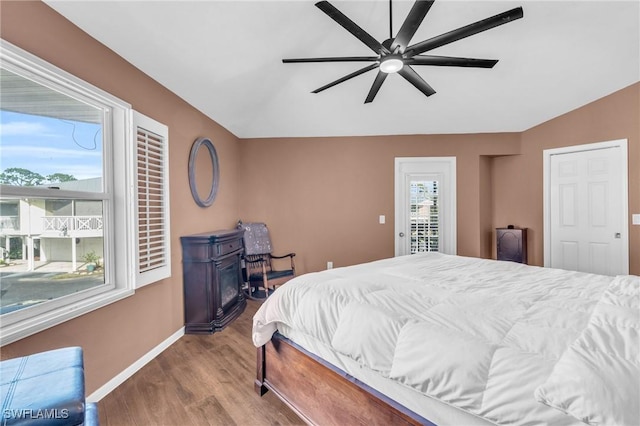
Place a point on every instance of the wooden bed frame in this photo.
(321, 393)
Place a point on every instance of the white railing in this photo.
(9, 223)
(87, 223)
(71, 224)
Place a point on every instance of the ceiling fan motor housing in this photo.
(391, 63)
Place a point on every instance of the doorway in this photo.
(586, 207)
(425, 205)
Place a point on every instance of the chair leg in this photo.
(265, 281)
(254, 292)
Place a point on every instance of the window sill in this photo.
(35, 324)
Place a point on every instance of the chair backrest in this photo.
(256, 238)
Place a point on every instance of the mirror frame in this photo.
(215, 178)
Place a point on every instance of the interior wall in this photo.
(117, 335)
(517, 180)
(485, 218)
(321, 197)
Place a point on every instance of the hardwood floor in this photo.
(199, 380)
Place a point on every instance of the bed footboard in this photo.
(320, 393)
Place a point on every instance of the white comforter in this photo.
(477, 334)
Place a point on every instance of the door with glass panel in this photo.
(425, 205)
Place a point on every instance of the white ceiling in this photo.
(224, 58)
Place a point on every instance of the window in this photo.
(67, 201)
(425, 216)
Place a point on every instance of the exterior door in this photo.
(587, 197)
(425, 205)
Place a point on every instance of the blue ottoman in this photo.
(46, 389)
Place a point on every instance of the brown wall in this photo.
(321, 197)
(517, 180)
(115, 336)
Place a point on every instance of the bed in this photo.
(440, 339)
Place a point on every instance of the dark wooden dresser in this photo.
(512, 244)
(212, 280)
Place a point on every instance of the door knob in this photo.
(401, 234)
(618, 235)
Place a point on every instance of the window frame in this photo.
(118, 197)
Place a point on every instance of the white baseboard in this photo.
(131, 370)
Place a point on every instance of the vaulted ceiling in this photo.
(225, 58)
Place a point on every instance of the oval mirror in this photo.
(204, 172)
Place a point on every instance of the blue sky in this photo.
(49, 145)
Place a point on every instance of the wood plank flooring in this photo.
(199, 380)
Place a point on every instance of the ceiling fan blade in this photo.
(412, 77)
(338, 59)
(377, 83)
(447, 61)
(466, 31)
(410, 25)
(346, 77)
(351, 26)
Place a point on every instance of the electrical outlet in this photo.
(635, 219)
(382, 219)
(329, 265)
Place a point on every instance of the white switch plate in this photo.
(382, 219)
(329, 265)
(635, 219)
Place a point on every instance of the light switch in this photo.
(382, 219)
(635, 219)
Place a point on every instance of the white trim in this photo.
(445, 169)
(546, 179)
(41, 71)
(60, 311)
(108, 387)
(119, 228)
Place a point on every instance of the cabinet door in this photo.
(197, 292)
(511, 245)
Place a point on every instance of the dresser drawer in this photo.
(226, 247)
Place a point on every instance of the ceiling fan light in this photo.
(391, 65)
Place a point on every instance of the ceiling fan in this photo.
(395, 55)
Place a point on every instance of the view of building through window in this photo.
(425, 216)
(49, 246)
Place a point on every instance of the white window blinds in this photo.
(152, 190)
(425, 216)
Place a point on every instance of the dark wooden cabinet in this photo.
(212, 280)
(512, 244)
